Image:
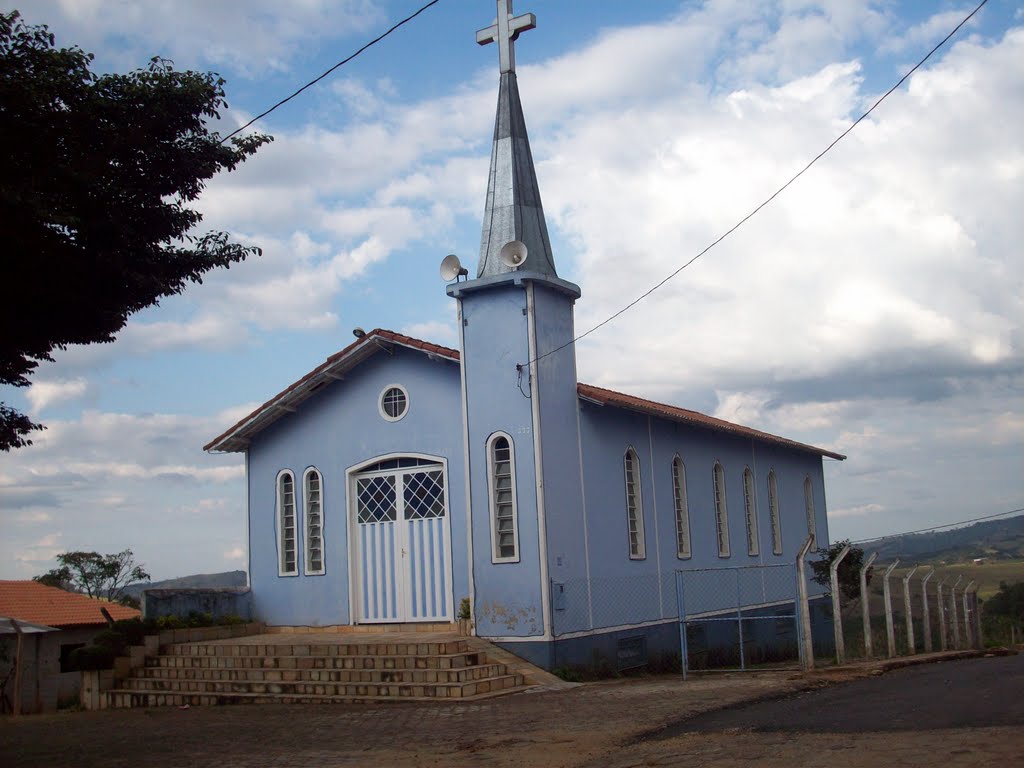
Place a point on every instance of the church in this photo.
(402, 481)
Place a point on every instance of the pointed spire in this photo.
(513, 210)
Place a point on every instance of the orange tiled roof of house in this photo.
(40, 604)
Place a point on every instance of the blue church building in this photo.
(400, 477)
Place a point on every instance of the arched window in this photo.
(313, 484)
(634, 506)
(501, 466)
(750, 511)
(681, 507)
(287, 563)
(812, 526)
(773, 510)
(721, 513)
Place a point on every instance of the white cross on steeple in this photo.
(504, 32)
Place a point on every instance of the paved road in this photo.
(599, 725)
(973, 693)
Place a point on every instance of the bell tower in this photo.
(519, 382)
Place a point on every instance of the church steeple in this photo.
(513, 209)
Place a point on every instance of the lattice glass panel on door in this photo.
(377, 499)
(424, 495)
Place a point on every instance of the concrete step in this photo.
(461, 674)
(233, 650)
(123, 698)
(351, 691)
(338, 661)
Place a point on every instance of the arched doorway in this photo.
(399, 521)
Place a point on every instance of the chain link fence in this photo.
(738, 618)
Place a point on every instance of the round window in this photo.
(394, 402)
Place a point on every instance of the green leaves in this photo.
(95, 180)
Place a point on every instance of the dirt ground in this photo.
(613, 724)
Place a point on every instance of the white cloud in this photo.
(254, 38)
(864, 509)
(235, 554)
(43, 393)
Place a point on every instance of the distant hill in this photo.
(196, 581)
(991, 539)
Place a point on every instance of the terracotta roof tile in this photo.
(40, 604)
(599, 394)
(630, 402)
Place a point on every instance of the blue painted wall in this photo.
(495, 338)
(338, 427)
(625, 591)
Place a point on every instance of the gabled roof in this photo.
(40, 604)
(603, 396)
(378, 340)
(332, 369)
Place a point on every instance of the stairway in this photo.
(339, 668)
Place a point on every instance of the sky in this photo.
(875, 308)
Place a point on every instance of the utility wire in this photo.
(774, 195)
(344, 61)
(939, 527)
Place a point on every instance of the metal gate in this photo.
(403, 543)
(738, 618)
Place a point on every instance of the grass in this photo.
(988, 575)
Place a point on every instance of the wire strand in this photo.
(940, 527)
(341, 63)
(772, 197)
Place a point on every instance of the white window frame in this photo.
(280, 515)
(634, 506)
(380, 403)
(750, 511)
(492, 496)
(773, 512)
(812, 523)
(681, 506)
(721, 508)
(308, 537)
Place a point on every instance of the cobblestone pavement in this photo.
(606, 724)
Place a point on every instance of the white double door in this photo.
(403, 544)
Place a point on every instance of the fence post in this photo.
(977, 622)
(952, 602)
(739, 622)
(968, 639)
(926, 618)
(807, 658)
(908, 611)
(887, 595)
(942, 615)
(865, 607)
(837, 618)
(681, 609)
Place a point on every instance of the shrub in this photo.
(90, 657)
(112, 639)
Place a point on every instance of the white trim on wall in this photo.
(279, 527)
(406, 402)
(632, 478)
(308, 537)
(775, 519)
(750, 513)
(681, 508)
(721, 503)
(538, 458)
(492, 493)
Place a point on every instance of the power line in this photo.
(939, 527)
(774, 195)
(344, 61)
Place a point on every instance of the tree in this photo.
(99, 576)
(96, 176)
(848, 572)
(1008, 602)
